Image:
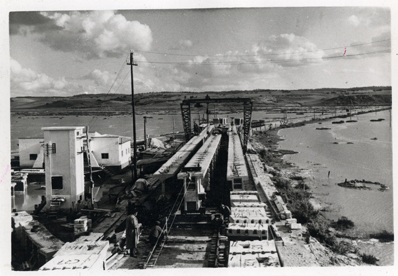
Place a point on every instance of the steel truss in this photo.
(247, 115)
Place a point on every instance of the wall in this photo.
(66, 162)
(125, 159)
(110, 145)
(28, 146)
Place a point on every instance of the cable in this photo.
(109, 90)
(191, 55)
(128, 72)
(263, 62)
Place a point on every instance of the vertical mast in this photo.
(89, 165)
(134, 168)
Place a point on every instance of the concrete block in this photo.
(253, 254)
(248, 204)
(248, 230)
(295, 226)
(244, 198)
(249, 215)
(291, 220)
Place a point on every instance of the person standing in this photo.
(226, 212)
(132, 232)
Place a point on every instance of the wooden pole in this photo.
(90, 168)
(134, 168)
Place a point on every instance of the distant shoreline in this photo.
(270, 140)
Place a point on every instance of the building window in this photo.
(122, 153)
(229, 185)
(191, 186)
(32, 156)
(191, 206)
(105, 155)
(238, 187)
(238, 180)
(56, 183)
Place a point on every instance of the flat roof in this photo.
(62, 128)
(30, 137)
(110, 136)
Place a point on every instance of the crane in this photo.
(247, 114)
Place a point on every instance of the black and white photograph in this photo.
(187, 136)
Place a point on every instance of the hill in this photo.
(169, 102)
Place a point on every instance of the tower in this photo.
(64, 164)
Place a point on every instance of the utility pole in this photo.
(207, 114)
(134, 168)
(89, 165)
(145, 117)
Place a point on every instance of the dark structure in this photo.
(247, 114)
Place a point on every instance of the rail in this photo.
(149, 262)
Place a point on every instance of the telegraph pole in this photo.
(134, 168)
(88, 152)
(145, 142)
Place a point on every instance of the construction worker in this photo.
(226, 212)
(132, 233)
(155, 233)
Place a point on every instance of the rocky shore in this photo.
(293, 184)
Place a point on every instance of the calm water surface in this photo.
(321, 151)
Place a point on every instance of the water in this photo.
(30, 126)
(370, 210)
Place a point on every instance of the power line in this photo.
(273, 54)
(263, 61)
(109, 90)
(120, 84)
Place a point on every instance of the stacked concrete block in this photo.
(253, 254)
(82, 225)
(248, 204)
(249, 215)
(79, 256)
(244, 198)
(241, 230)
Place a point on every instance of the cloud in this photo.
(93, 35)
(236, 69)
(289, 50)
(377, 45)
(100, 78)
(371, 18)
(25, 81)
(354, 20)
(183, 44)
(24, 22)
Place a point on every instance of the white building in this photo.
(31, 152)
(64, 162)
(110, 150)
(106, 151)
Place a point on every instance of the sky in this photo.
(64, 53)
